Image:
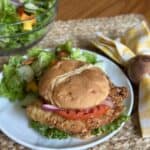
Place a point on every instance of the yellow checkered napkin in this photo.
(144, 105)
(134, 42)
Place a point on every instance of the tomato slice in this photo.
(94, 112)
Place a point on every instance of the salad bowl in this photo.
(23, 24)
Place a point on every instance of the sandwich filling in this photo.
(80, 127)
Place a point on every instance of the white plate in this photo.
(14, 122)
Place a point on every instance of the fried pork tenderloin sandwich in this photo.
(77, 98)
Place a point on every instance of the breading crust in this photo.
(79, 127)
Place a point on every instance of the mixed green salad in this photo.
(22, 21)
(21, 75)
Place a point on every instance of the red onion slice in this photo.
(108, 102)
(49, 107)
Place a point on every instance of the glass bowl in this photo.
(13, 40)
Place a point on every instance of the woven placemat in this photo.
(80, 32)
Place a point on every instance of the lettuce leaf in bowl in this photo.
(67, 46)
(83, 56)
(76, 53)
(11, 85)
(42, 59)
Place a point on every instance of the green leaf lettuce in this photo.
(111, 126)
(47, 131)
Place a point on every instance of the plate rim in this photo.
(88, 145)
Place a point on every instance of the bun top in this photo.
(73, 84)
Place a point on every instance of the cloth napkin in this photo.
(134, 42)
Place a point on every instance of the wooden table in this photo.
(79, 9)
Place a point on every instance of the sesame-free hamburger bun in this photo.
(72, 84)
